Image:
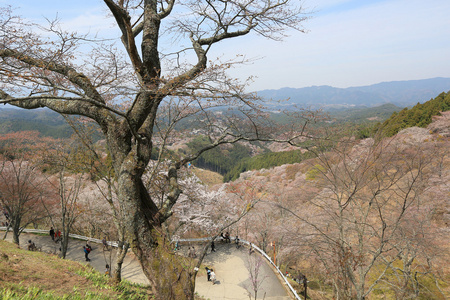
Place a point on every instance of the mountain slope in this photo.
(400, 93)
(47, 122)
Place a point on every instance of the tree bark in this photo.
(122, 250)
(15, 230)
(166, 271)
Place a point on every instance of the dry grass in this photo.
(46, 276)
(209, 178)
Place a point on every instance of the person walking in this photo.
(58, 236)
(251, 250)
(88, 246)
(236, 240)
(213, 276)
(208, 273)
(227, 237)
(105, 244)
(213, 247)
(86, 253)
(52, 233)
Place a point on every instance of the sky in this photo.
(348, 42)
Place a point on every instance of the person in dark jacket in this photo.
(52, 233)
(208, 273)
(86, 253)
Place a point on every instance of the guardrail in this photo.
(74, 236)
(256, 248)
(196, 240)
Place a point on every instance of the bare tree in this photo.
(68, 195)
(58, 74)
(254, 264)
(22, 185)
(20, 195)
(359, 220)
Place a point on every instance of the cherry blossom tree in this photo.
(254, 264)
(23, 187)
(96, 161)
(360, 221)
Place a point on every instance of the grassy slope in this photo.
(37, 275)
(208, 177)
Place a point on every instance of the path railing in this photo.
(74, 236)
(196, 240)
(256, 248)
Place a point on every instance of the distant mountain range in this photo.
(355, 104)
(400, 93)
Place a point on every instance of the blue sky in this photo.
(349, 42)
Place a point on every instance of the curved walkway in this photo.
(229, 264)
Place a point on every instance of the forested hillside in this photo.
(231, 160)
(368, 217)
(420, 115)
(45, 121)
(266, 161)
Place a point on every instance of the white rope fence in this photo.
(197, 240)
(256, 248)
(74, 236)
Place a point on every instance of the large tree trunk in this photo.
(15, 226)
(169, 276)
(64, 243)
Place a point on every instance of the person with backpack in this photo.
(86, 250)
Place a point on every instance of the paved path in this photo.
(229, 264)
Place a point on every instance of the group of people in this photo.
(55, 235)
(226, 237)
(211, 275)
(87, 249)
